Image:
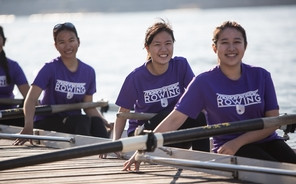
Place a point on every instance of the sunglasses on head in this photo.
(64, 25)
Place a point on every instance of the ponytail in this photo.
(4, 65)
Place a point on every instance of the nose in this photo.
(231, 47)
(163, 47)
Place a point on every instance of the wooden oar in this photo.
(144, 142)
(134, 115)
(10, 101)
(50, 109)
(37, 137)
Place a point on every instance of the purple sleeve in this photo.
(92, 86)
(127, 95)
(189, 74)
(18, 74)
(270, 95)
(43, 77)
(190, 103)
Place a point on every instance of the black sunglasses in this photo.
(68, 25)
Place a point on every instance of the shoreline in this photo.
(28, 7)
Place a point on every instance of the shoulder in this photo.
(210, 73)
(85, 66)
(138, 71)
(178, 60)
(12, 62)
(254, 69)
(52, 64)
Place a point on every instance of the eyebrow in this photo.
(237, 38)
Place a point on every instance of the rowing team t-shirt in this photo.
(17, 77)
(62, 86)
(145, 92)
(226, 100)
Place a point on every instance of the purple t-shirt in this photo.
(145, 92)
(62, 86)
(17, 78)
(225, 100)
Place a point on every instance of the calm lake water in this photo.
(113, 44)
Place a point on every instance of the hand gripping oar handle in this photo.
(140, 142)
(50, 109)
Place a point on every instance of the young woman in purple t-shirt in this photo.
(157, 85)
(65, 80)
(232, 91)
(11, 75)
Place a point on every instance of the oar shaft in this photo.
(82, 105)
(226, 128)
(11, 101)
(37, 137)
(214, 165)
(137, 116)
(50, 109)
(76, 152)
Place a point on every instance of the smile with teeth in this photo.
(68, 52)
(163, 55)
(231, 55)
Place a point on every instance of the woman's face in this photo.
(67, 44)
(230, 47)
(161, 48)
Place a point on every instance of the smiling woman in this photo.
(157, 85)
(65, 80)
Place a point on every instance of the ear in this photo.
(78, 42)
(214, 48)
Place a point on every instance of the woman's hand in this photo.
(229, 148)
(20, 141)
(128, 164)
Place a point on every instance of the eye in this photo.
(61, 42)
(169, 43)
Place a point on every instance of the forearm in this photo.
(172, 122)
(253, 136)
(29, 113)
(257, 135)
(118, 128)
(119, 124)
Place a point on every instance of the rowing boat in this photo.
(229, 167)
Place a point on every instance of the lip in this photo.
(163, 55)
(231, 55)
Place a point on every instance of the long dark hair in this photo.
(3, 58)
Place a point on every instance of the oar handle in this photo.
(134, 115)
(82, 105)
(37, 137)
(11, 101)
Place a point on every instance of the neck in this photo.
(156, 69)
(71, 64)
(233, 73)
